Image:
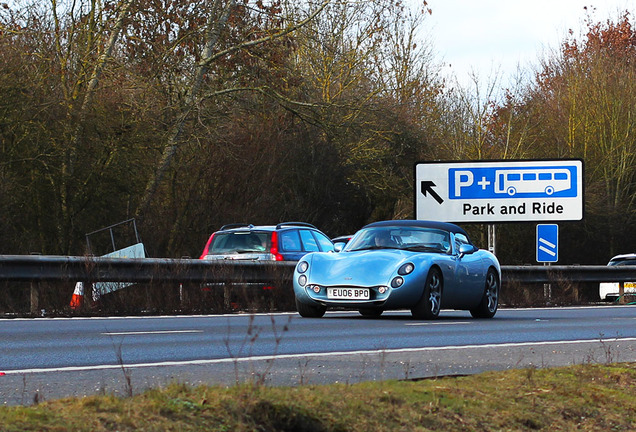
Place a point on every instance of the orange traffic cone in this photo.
(78, 296)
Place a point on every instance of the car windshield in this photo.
(415, 239)
(239, 242)
(623, 262)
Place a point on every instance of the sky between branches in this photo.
(497, 38)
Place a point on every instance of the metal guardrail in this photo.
(101, 269)
(36, 269)
(30, 268)
(573, 273)
(88, 269)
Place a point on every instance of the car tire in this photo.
(489, 303)
(370, 313)
(309, 311)
(429, 305)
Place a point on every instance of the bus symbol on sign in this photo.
(506, 182)
(546, 181)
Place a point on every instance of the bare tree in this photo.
(219, 15)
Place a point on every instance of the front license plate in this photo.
(348, 293)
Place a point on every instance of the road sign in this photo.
(499, 191)
(547, 243)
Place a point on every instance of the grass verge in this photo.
(583, 397)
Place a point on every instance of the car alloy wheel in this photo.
(429, 305)
(490, 300)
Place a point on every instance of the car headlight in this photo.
(303, 266)
(397, 282)
(302, 280)
(406, 269)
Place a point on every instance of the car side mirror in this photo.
(466, 249)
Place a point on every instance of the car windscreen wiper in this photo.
(422, 248)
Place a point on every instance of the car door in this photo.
(310, 244)
(469, 273)
(290, 245)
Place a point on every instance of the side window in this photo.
(324, 242)
(309, 242)
(290, 241)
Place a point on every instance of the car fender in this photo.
(300, 291)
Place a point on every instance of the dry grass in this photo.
(586, 397)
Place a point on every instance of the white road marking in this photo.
(437, 323)
(305, 355)
(150, 332)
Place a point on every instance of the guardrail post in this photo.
(547, 289)
(621, 293)
(227, 294)
(35, 298)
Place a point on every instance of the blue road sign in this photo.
(547, 243)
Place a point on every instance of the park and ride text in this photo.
(535, 208)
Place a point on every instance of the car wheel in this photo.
(370, 313)
(490, 300)
(309, 311)
(429, 305)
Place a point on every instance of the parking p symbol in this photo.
(463, 179)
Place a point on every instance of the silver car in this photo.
(288, 241)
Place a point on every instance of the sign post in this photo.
(492, 239)
(547, 250)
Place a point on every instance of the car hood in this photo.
(363, 268)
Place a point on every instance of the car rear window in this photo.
(239, 242)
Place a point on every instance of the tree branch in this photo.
(207, 61)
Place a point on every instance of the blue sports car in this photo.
(423, 266)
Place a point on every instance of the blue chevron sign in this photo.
(547, 243)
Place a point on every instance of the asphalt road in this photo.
(52, 358)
